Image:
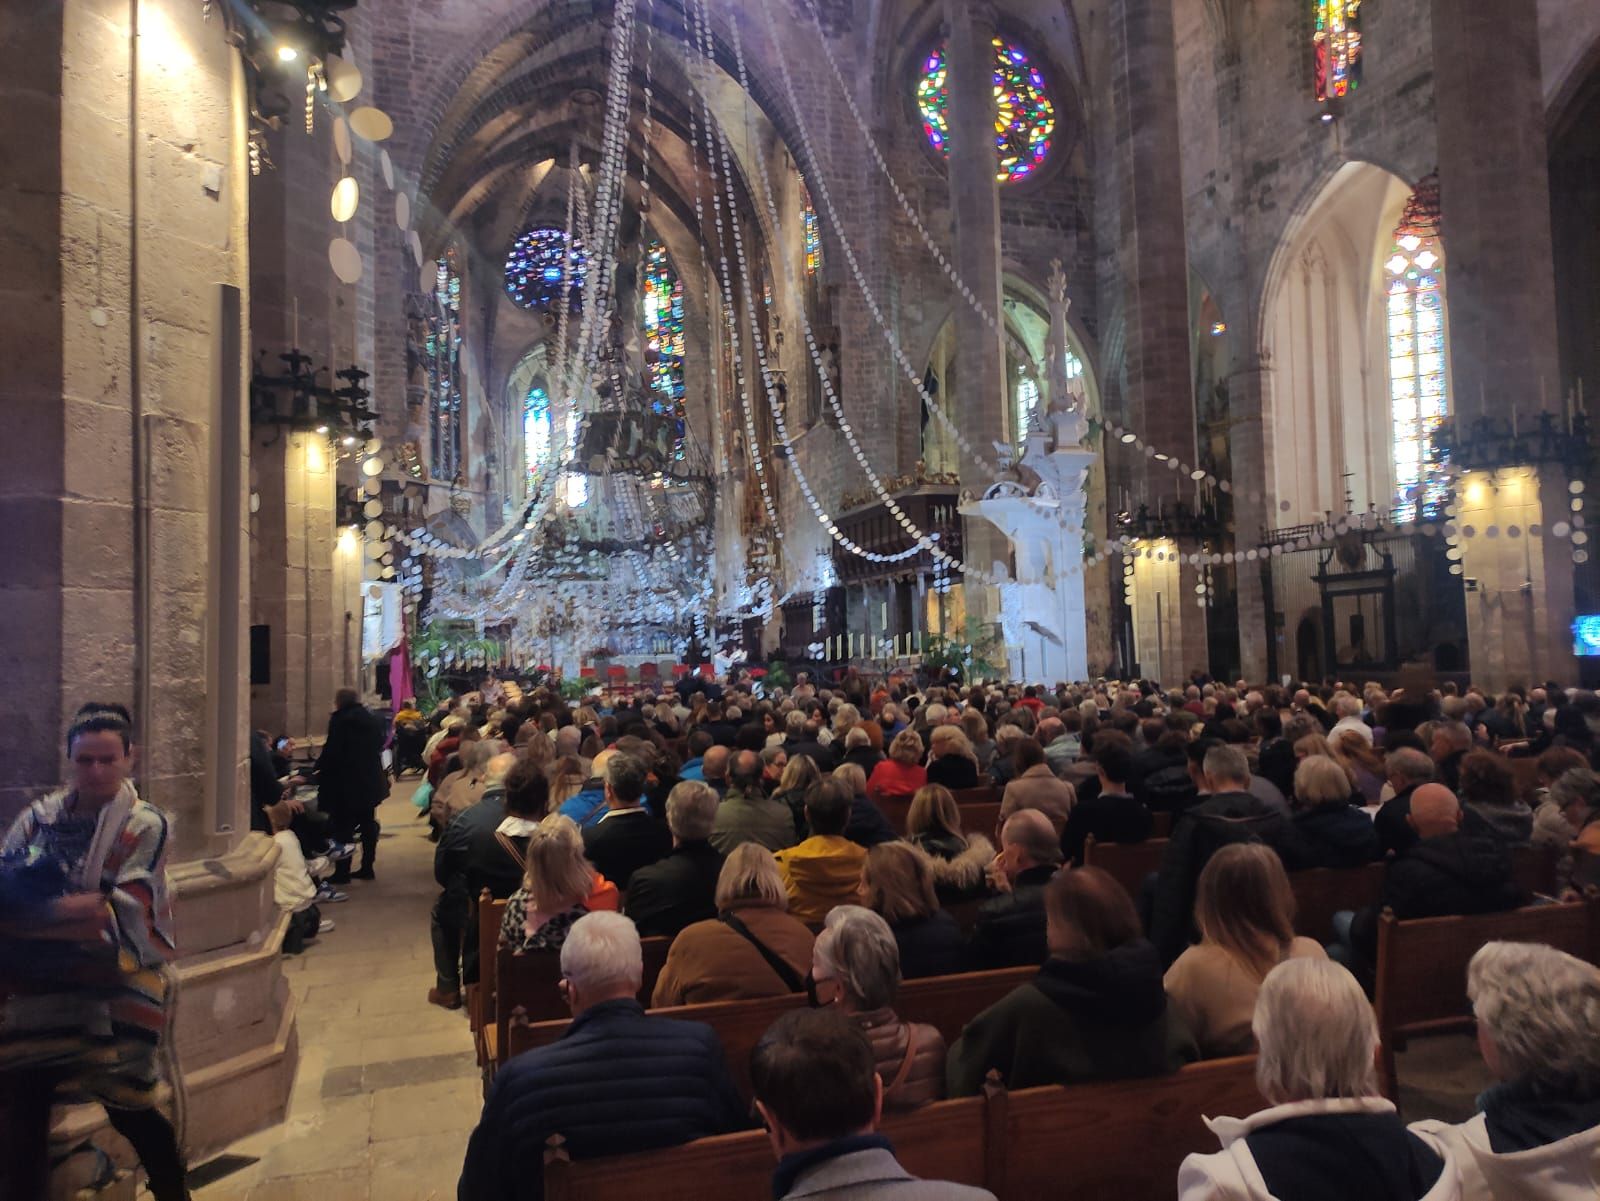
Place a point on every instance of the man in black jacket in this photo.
(681, 889)
(482, 847)
(1448, 870)
(1010, 929)
(618, 1081)
(1228, 813)
(350, 779)
(627, 837)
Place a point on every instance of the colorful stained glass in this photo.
(443, 346)
(1418, 380)
(813, 232)
(1025, 116)
(537, 430)
(1337, 46)
(537, 264)
(663, 330)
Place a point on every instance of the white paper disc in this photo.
(373, 508)
(344, 80)
(346, 199)
(371, 123)
(386, 165)
(402, 210)
(346, 260)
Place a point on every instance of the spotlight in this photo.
(322, 429)
(1327, 118)
(349, 441)
(287, 53)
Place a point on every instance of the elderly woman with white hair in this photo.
(1328, 1133)
(1537, 1136)
(856, 966)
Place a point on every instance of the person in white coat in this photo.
(1537, 1137)
(1329, 1135)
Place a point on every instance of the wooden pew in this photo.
(526, 985)
(1321, 892)
(989, 794)
(480, 996)
(977, 817)
(942, 1141)
(1120, 1141)
(1161, 824)
(947, 1003)
(1128, 862)
(1422, 964)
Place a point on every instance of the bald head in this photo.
(1434, 811)
(714, 764)
(1029, 840)
(745, 771)
(598, 768)
(495, 771)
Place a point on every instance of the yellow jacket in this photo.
(823, 871)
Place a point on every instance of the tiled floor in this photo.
(387, 1089)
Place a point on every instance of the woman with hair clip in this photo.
(84, 983)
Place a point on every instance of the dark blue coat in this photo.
(618, 1081)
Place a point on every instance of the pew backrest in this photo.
(1112, 1141)
(947, 1003)
(1129, 863)
(942, 1141)
(1118, 1141)
(1422, 963)
(1321, 892)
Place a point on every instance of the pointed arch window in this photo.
(662, 297)
(444, 371)
(1419, 395)
(538, 430)
(1336, 45)
(1027, 394)
(813, 231)
(1025, 114)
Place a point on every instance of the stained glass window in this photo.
(1418, 380)
(1025, 116)
(538, 262)
(813, 232)
(537, 430)
(1337, 45)
(663, 330)
(577, 481)
(444, 371)
(1027, 398)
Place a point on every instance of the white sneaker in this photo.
(325, 926)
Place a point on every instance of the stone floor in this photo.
(388, 1090)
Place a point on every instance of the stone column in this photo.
(125, 206)
(1154, 263)
(975, 212)
(1500, 299)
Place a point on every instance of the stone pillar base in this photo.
(1169, 628)
(232, 1019)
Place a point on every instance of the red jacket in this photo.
(891, 779)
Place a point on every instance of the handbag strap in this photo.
(786, 973)
(511, 849)
(905, 1064)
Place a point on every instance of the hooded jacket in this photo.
(1525, 1143)
(1323, 1150)
(823, 871)
(1077, 1021)
(1458, 873)
(958, 868)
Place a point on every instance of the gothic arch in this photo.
(1325, 403)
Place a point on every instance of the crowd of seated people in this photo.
(776, 868)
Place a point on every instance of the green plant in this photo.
(970, 655)
(573, 689)
(778, 674)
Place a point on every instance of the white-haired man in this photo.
(619, 1080)
(1328, 1133)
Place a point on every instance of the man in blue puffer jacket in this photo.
(618, 1081)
